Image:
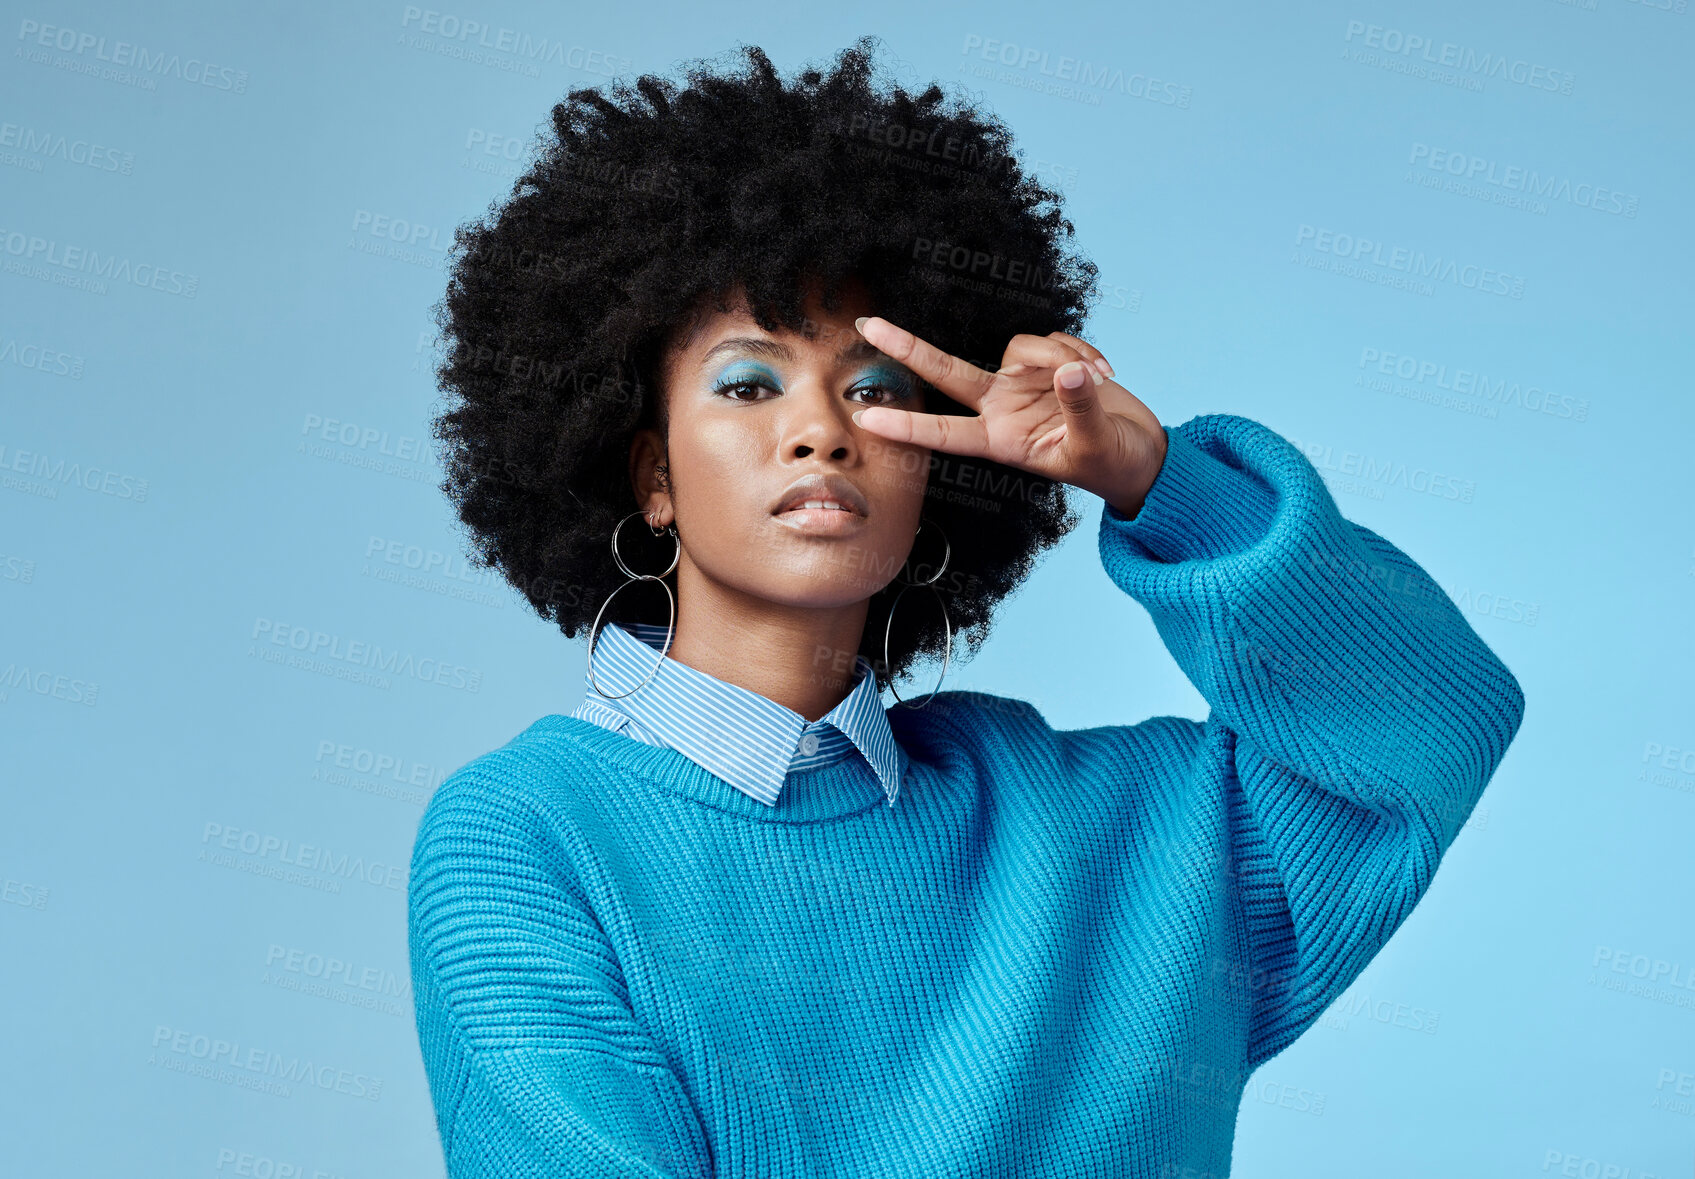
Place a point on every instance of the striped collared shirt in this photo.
(750, 741)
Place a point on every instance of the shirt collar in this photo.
(742, 737)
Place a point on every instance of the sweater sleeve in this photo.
(1356, 714)
(536, 1063)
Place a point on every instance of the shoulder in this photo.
(963, 718)
(512, 791)
(1160, 748)
(992, 727)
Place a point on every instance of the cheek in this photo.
(716, 473)
(900, 474)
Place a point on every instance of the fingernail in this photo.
(855, 414)
(859, 324)
(1106, 369)
(1071, 376)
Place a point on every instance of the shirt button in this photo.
(809, 744)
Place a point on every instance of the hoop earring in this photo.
(671, 627)
(947, 623)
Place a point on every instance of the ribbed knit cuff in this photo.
(1199, 506)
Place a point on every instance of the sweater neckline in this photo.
(842, 789)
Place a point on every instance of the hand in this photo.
(1096, 436)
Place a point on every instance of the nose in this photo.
(817, 423)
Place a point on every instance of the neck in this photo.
(801, 657)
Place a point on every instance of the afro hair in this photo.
(643, 205)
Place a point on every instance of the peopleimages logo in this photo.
(1091, 79)
(41, 257)
(312, 647)
(178, 1049)
(329, 970)
(47, 683)
(469, 38)
(45, 474)
(1473, 383)
(129, 55)
(1514, 178)
(41, 358)
(1432, 57)
(1365, 251)
(334, 755)
(1364, 470)
(37, 144)
(275, 850)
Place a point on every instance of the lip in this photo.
(821, 521)
(835, 488)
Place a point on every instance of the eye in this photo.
(891, 388)
(730, 390)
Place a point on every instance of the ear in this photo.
(650, 482)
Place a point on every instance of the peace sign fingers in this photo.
(936, 431)
(959, 379)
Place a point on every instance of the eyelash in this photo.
(897, 390)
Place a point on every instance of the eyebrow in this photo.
(858, 349)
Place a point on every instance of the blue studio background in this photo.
(1438, 245)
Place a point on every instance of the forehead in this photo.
(846, 350)
(713, 335)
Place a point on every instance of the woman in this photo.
(716, 405)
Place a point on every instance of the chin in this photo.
(824, 592)
(817, 572)
(812, 581)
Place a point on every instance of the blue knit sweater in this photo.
(1062, 954)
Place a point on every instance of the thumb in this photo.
(1085, 417)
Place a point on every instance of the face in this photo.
(751, 413)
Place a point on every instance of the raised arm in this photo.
(536, 1064)
(1356, 708)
